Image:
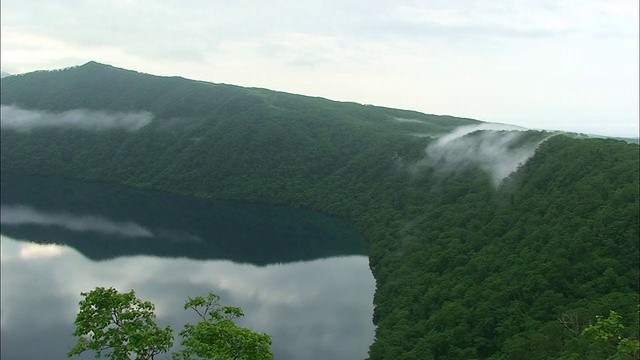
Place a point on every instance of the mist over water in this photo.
(16, 118)
(498, 149)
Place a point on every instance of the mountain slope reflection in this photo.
(105, 221)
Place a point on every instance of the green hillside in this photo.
(471, 260)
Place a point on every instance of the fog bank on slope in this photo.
(16, 118)
(498, 149)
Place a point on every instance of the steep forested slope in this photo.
(468, 263)
(498, 269)
(243, 142)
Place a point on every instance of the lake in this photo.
(300, 276)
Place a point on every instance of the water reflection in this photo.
(24, 215)
(290, 284)
(103, 222)
(312, 309)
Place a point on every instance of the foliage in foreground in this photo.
(120, 326)
(610, 330)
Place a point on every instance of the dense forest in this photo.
(492, 244)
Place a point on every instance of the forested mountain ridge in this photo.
(471, 260)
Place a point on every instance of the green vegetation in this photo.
(464, 268)
(120, 326)
(218, 337)
(612, 331)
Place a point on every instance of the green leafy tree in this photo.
(120, 326)
(611, 330)
(218, 337)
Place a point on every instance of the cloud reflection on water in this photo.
(25, 215)
(318, 309)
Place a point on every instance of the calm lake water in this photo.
(299, 276)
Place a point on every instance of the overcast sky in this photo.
(567, 65)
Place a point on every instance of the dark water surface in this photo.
(299, 276)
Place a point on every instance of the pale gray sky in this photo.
(567, 65)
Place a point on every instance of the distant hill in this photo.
(630, 140)
(4, 74)
(189, 128)
(481, 236)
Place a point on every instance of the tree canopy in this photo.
(119, 326)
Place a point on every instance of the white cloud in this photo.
(19, 119)
(495, 148)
